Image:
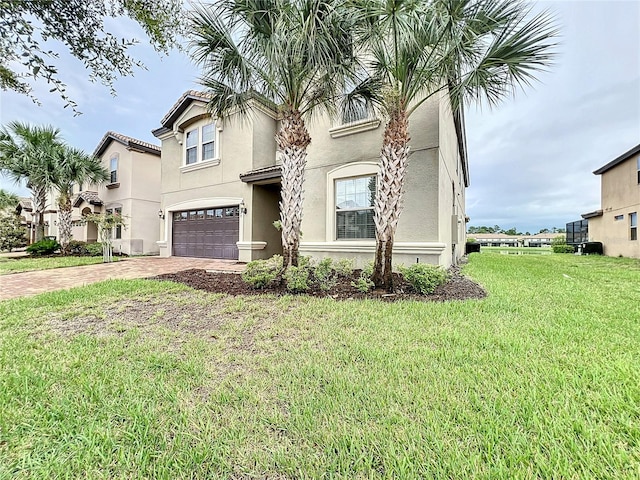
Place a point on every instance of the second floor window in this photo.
(208, 142)
(192, 146)
(638, 168)
(200, 144)
(113, 168)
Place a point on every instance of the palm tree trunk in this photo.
(64, 221)
(39, 201)
(292, 139)
(388, 201)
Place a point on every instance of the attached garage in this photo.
(207, 233)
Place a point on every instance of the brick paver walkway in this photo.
(32, 283)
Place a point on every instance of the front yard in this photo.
(133, 379)
(29, 264)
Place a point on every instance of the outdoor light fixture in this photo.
(160, 214)
(243, 208)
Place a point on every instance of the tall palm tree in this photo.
(468, 50)
(26, 153)
(73, 166)
(291, 53)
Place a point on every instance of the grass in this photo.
(28, 264)
(135, 379)
(518, 250)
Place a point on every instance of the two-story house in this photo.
(133, 190)
(220, 185)
(615, 224)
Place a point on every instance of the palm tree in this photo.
(73, 166)
(8, 200)
(468, 50)
(291, 53)
(26, 153)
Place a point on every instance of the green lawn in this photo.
(518, 250)
(28, 264)
(144, 379)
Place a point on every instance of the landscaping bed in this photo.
(458, 287)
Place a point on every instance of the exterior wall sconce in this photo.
(243, 208)
(160, 214)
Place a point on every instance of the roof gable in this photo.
(129, 142)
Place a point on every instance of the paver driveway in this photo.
(31, 283)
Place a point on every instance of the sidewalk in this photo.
(32, 283)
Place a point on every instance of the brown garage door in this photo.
(206, 233)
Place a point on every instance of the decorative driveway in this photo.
(32, 283)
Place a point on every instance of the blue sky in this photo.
(531, 158)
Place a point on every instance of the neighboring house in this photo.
(25, 211)
(496, 239)
(540, 239)
(615, 224)
(221, 185)
(133, 191)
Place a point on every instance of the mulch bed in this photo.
(458, 287)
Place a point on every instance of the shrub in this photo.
(559, 245)
(344, 267)
(562, 248)
(260, 273)
(297, 279)
(325, 274)
(43, 247)
(471, 240)
(363, 284)
(77, 247)
(94, 249)
(424, 278)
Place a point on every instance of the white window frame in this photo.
(633, 226)
(353, 209)
(114, 157)
(200, 162)
(349, 170)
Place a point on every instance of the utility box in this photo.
(592, 248)
(472, 248)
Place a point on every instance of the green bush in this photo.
(260, 273)
(344, 267)
(424, 278)
(325, 274)
(43, 247)
(297, 279)
(471, 240)
(77, 247)
(559, 245)
(94, 249)
(363, 283)
(562, 248)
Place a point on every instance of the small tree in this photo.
(106, 222)
(12, 234)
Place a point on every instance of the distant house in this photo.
(25, 211)
(540, 239)
(133, 190)
(615, 224)
(496, 239)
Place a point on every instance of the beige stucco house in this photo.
(220, 185)
(133, 190)
(615, 224)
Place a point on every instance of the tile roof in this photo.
(128, 142)
(91, 198)
(25, 203)
(264, 173)
(193, 94)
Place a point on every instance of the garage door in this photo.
(206, 233)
